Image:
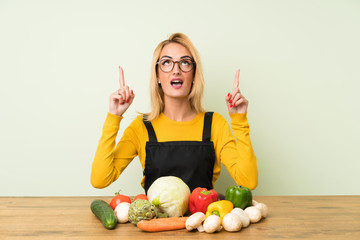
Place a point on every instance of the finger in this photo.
(132, 96)
(236, 80)
(115, 97)
(233, 94)
(238, 102)
(127, 93)
(122, 93)
(236, 98)
(121, 77)
(227, 98)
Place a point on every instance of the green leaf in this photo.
(156, 201)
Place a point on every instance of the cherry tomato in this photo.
(141, 196)
(119, 199)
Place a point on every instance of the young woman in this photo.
(177, 138)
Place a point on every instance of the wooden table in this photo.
(290, 217)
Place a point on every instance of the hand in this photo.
(122, 98)
(235, 101)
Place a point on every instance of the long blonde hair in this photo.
(156, 93)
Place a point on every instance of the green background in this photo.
(299, 64)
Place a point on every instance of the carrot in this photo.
(162, 224)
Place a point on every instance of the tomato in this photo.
(119, 199)
(141, 196)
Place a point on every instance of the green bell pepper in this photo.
(240, 196)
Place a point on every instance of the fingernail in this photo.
(230, 105)
(228, 94)
(127, 100)
(132, 92)
(230, 101)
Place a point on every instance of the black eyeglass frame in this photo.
(178, 62)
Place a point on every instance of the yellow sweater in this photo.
(236, 154)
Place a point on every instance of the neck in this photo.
(178, 110)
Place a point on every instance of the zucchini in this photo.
(104, 213)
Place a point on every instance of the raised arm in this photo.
(107, 167)
(238, 156)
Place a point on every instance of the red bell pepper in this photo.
(200, 198)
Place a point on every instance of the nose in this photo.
(176, 69)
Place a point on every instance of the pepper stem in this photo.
(205, 192)
(216, 212)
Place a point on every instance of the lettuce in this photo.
(170, 194)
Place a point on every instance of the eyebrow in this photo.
(166, 56)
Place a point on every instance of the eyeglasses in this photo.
(185, 65)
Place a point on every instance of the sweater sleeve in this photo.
(238, 155)
(110, 161)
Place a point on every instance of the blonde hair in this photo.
(156, 93)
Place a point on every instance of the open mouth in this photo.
(176, 82)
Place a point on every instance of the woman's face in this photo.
(175, 83)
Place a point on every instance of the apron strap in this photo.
(150, 129)
(206, 130)
(207, 126)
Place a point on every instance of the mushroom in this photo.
(195, 221)
(122, 212)
(200, 228)
(212, 223)
(231, 222)
(262, 207)
(253, 213)
(245, 220)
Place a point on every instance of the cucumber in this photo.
(104, 213)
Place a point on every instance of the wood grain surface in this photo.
(290, 217)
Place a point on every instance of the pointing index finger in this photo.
(236, 80)
(121, 77)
